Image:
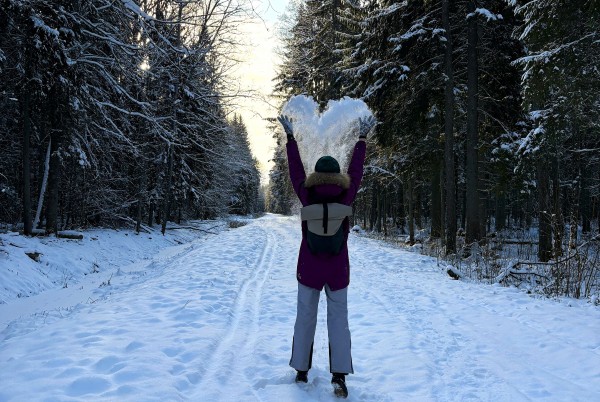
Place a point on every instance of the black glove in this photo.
(286, 122)
(365, 125)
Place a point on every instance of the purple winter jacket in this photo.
(316, 270)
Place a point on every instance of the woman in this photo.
(318, 270)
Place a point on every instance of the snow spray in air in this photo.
(333, 132)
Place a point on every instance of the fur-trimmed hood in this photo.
(318, 178)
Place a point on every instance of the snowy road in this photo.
(212, 320)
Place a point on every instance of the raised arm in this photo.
(355, 170)
(296, 168)
(297, 173)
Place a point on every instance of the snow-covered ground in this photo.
(63, 262)
(211, 319)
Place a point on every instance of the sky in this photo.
(255, 73)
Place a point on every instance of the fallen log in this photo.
(70, 235)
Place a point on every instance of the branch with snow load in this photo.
(484, 12)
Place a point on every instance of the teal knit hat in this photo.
(327, 164)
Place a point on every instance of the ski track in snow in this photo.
(212, 320)
(224, 364)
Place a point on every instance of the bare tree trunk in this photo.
(473, 229)
(418, 205)
(483, 201)
(334, 82)
(53, 184)
(151, 214)
(574, 204)
(373, 214)
(585, 209)
(54, 172)
(558, 218)
(411, 212)
(365, 211)
(138, 222)
(378, 227)
(168, 189)
(450, 183)
(500, 213)
(383, 209)
(442, 207)
(573, 216)
(585, 177)
(436, 202)
(545, 211)
(44, 184)
(26, 163)
(169, 181)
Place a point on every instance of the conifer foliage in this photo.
(488, 114)
(113, 112)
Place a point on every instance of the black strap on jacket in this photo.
(325, 217)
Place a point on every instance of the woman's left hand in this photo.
(365, 125)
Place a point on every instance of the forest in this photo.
(119, 113)
(487, 151)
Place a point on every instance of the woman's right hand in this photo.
(287, 124)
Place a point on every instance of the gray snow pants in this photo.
(340, 359)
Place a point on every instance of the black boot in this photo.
(339, 385)
(301, 376)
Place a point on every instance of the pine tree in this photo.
(281, 194)
(245, 195)
(561, 93)
(130, 98)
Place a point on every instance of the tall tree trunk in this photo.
(169, 181)
(545, 212)
(26, 163)
(528, 215)
(401, 208)
(151, 214)
(365, 208)
(500, 213)
(138, 221)
(473, 229)
(436, 202)
(450, 181)
(463, 205)
(378, 211)
(417, 205)
(56, 127)
(442, 207)
(373, 212)
(483, 201)
(384, 214)
(334, 82)
(44, 185)
(168, 189)
(585, 206)
(558, 220)
(411, 212)
(574, 215)
(574, 202)
(53, 185)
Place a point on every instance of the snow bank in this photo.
(31, 265)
